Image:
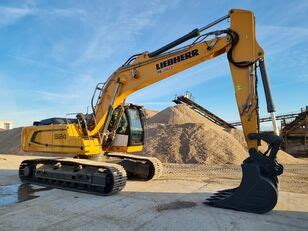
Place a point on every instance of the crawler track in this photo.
(74, 174)
(139, 167)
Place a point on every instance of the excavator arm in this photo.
(243, 52)
(142, 70)
(96, 133)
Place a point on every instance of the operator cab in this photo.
(128, 123)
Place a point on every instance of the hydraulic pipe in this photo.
(190, 35)
(184, 38)
(214, 23)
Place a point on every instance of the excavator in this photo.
(101, 141)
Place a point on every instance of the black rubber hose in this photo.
(234, 40)
(184, 38)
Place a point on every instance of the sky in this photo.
(53, 53)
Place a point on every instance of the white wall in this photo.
(6, 124)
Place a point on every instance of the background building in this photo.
(6, 124)
(295, 134)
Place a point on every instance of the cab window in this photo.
(136, 127)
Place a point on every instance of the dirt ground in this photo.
(173, 202)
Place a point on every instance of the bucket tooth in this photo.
(223, 193)
(256, 193)
(227, 190)
(221, 196)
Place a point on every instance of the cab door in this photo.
(129, 135)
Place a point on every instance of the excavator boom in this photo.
(115, 127)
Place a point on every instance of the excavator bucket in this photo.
(257, 192)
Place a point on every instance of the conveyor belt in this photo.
(202, 111)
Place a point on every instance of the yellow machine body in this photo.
(115, 127)
(144, 71)
(63, 138)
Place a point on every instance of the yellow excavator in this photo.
(102, 139)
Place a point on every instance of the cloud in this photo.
(78, 93)
(40, 64)
(156, 103)
(278, 39)
(299, 79)
(70, 12)
(10, 15)
(111, 33)
(54, 96)
(286, 51)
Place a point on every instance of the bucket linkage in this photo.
(257, 192)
